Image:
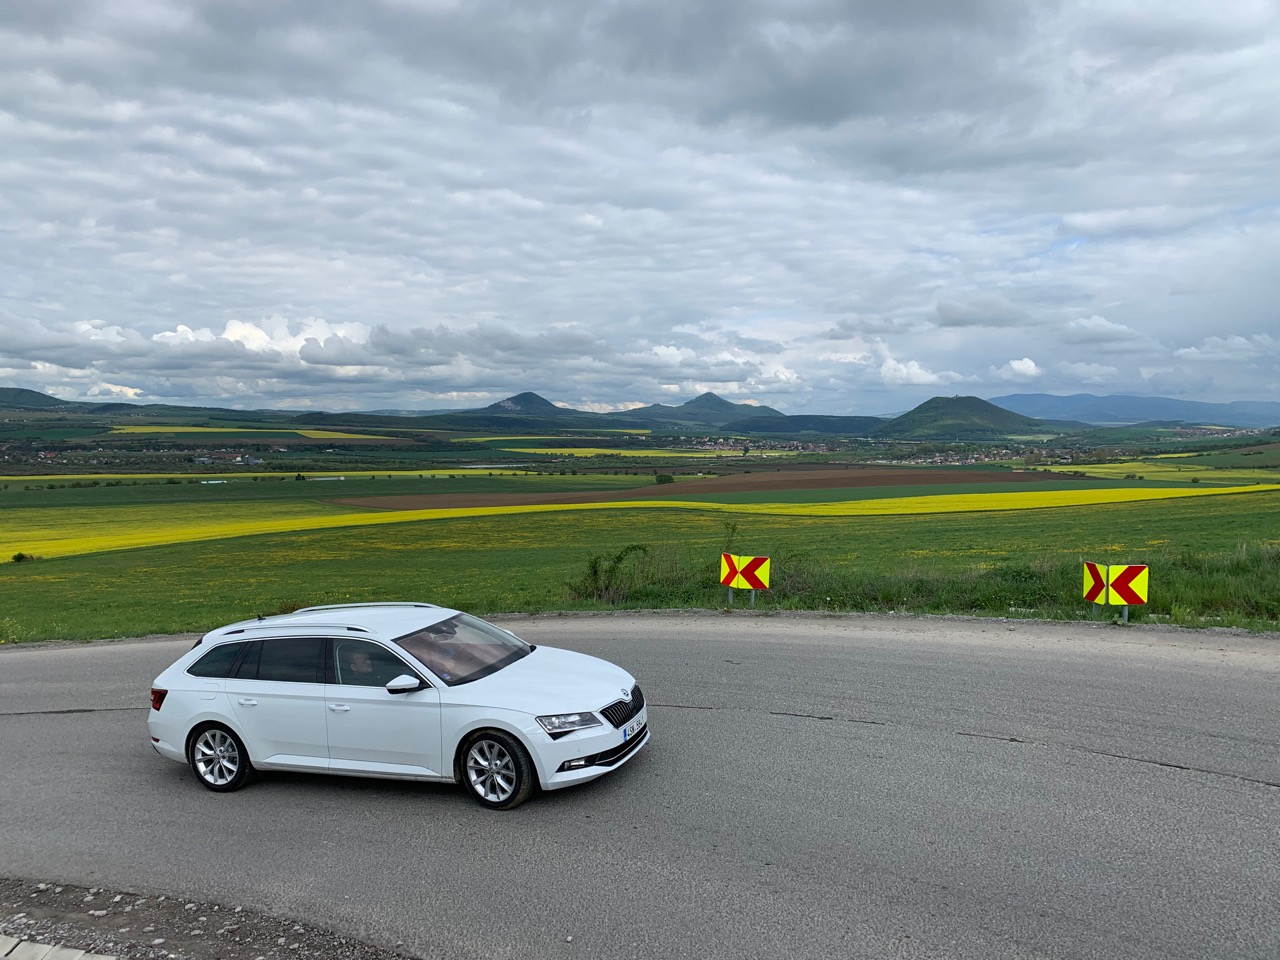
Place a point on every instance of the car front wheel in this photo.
(219, 759)
(496, 770)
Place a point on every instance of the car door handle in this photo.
(246, 702)
(339, 708)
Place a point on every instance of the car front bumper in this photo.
(563, 763)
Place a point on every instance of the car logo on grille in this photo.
(626, 693)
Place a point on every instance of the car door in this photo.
(277, 695)
(372, 731)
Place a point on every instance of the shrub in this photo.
(603, 578)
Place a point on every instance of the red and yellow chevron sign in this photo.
(1126, 584)
(745, 573)
(1121, 584)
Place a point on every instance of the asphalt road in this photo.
(816, 787)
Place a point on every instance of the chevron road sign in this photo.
(1121, 584)
(1095, 582)
(745, 573)
(1126, 584)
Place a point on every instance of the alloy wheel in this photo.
(216, 757)
(491, 771)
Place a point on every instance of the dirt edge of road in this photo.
(138, 927)
(1240, 639)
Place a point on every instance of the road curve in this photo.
(816, 787)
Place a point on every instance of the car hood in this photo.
(549, 680)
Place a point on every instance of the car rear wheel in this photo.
(219, 759)
(496, 769)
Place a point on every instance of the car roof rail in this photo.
(365, 606)
(267, 627)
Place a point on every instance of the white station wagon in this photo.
(408, 691)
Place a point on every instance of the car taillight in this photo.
(157, 697)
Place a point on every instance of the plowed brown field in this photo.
(835, 477)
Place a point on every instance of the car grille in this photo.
(621, 711)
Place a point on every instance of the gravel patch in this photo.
(135, 927)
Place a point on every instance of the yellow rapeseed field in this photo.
(59, 532)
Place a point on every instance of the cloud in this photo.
(911, 373)
(1023, 370)
(1098, 330)
(1234, 349)
(983, 310)
(1088, 373)
(1140, 221)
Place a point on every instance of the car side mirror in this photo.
(405, 683)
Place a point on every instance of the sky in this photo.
(825, 207)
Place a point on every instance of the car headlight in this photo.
(562, 723)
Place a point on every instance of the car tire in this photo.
(218, 758)
(495, 769)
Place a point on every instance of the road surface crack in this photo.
(1123, 756)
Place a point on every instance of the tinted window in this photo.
(291, 659)
(248, 669)
(363, 664)
(217, 662)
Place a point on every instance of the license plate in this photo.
(636, 725)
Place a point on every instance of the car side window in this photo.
(218, 662)
(362, 664)
(248, 668)
(291, 659)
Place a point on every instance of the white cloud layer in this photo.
(826, 207)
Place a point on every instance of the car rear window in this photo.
(217, 662)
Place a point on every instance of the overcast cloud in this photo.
(824, 206)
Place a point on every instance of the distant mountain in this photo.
(529, 404)
(1117, 410)
(707, 409)
(963, 418)
(17, 398)
(942, 418)
(807, 423)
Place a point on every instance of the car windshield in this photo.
(463, 648)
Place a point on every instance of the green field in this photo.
(19, 493)
(57, 529)
(1213, 558)
(1254, 465)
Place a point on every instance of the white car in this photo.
(409, 691)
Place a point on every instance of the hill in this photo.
(962, 418)
(1121, 409)
(704, 410)
(17, 398)
(529, 404)
(942, 418)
